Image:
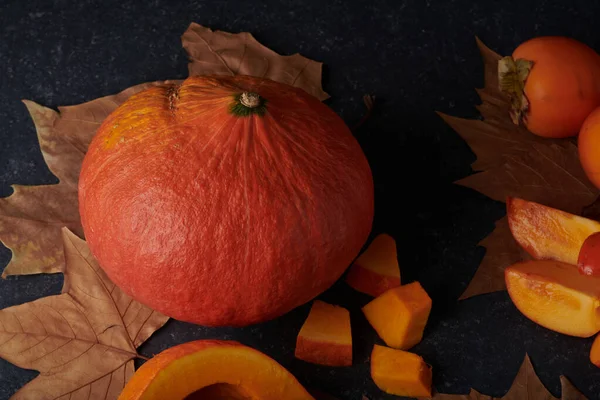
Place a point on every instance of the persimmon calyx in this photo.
(512, 76)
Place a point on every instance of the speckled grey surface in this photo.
(417, 56)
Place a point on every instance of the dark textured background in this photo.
(417, 56)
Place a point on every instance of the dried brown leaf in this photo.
(501, 251)
(32, 217)
(496, 138)
(526, 386)
(570, 392)
(82, 341)
(514, 162)
(548, 174)
(223, 53)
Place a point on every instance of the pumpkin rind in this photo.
(218, 218)
(213, 369)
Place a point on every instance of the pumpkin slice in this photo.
(400, 373)
(376, 270)
(399, 315)
(213, 370)
(326, 338)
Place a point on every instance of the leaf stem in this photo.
(369, 101)
(142, 357)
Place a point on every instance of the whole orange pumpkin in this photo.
(225, 201)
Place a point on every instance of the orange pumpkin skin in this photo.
(563, 86)
(212, 370)
(220, 219)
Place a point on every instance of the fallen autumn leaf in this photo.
(547, 174)
(501, 251)
(223, 53)
(513, 162)
(526, 386)
(82, 341)
(31, 218)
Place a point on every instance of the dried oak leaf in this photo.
(514, 162)
(526, 386)
(82, 341)
(31, 218)
(223, 53)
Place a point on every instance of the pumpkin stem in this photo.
(248, 103)
(512, 75)
(250, 99)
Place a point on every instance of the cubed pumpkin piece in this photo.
(399, 315)
(326, 338)
(595, 352)
(400, 373)
(376, 270)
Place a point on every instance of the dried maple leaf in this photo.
(223, 53)
(31, 218)
(570, 392)
(526, 386)
(82, 341)
(501, 250)
(514, 162)
(548, 174)
(496, 138)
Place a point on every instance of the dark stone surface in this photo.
(417, 56)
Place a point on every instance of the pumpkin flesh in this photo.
(213, 370)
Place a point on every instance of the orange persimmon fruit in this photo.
(400, 373)
(326, 337)
(589, 256)
(547, 233)
(595, 352)
(213, 369)
(554, 84)
(399, 315)
(225, 201)
(589, 147)
(556, 296)
(376, 270)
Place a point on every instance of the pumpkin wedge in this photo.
(213, 370)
